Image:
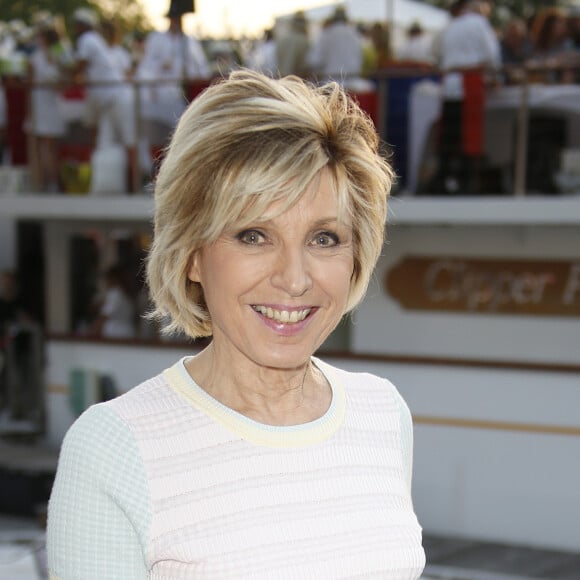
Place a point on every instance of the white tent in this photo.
(399, 13)
(402, 12)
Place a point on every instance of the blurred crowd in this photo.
(134, 88)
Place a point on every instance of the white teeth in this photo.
(283, 316)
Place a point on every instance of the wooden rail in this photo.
(535, 428)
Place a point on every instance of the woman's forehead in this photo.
(321, 200)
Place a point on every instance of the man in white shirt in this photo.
(469, 49)
(169, 59)
(337, 53)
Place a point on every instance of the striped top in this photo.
(166, 483)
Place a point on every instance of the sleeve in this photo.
(99, 511)
(406, 423)
(491, 45)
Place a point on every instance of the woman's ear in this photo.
(194, 273)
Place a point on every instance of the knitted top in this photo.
(166, 483)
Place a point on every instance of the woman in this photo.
(251, 459)
(552, 59)
(46, 123)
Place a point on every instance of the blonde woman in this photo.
(251, 458)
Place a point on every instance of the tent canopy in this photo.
(401, 13)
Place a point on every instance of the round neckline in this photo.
(249, 429)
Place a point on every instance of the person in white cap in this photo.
(110, 103)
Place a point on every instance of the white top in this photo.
(167, 483)
(92, 48)
(119, 313)
(46, 117)
(337, 52)
(417, 49)
(164, 54)
(263, 58)
(292, 49)
(162, 69)
(469, 41)
(121, 59)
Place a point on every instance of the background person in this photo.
(553, 55)
(262, 58)
(337, 51)
(116, 317)
(169, 59)
(251, 459)
(46, 124)
(109, 99)
(469, 50)
(292, 47)
(120, 55)
(417, 47)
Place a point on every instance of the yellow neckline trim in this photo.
(268, 435)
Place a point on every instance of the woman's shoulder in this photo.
(153, 395)
(366, 390)
(362, 386)
(355, 378)
(105, 424)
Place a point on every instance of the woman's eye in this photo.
(250, 237)
(325, 239)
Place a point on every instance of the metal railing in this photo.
(528, 130)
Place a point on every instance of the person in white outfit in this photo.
(263, 57)
(109, 99)
(292, 47)
(337, 52)
(46, 122)
(121, 56)
(169, 59)
(418, 47)
(469, 50)
(117, 313)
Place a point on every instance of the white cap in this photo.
(86, 16)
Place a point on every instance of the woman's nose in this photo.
(292, 271)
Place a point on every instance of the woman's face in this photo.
(276, 289)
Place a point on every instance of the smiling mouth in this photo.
(283, 316)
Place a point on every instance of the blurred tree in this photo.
(129, 13)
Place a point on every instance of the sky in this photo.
(222, 18)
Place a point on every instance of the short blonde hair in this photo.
(242, 144)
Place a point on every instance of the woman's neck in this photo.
(266, 395)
